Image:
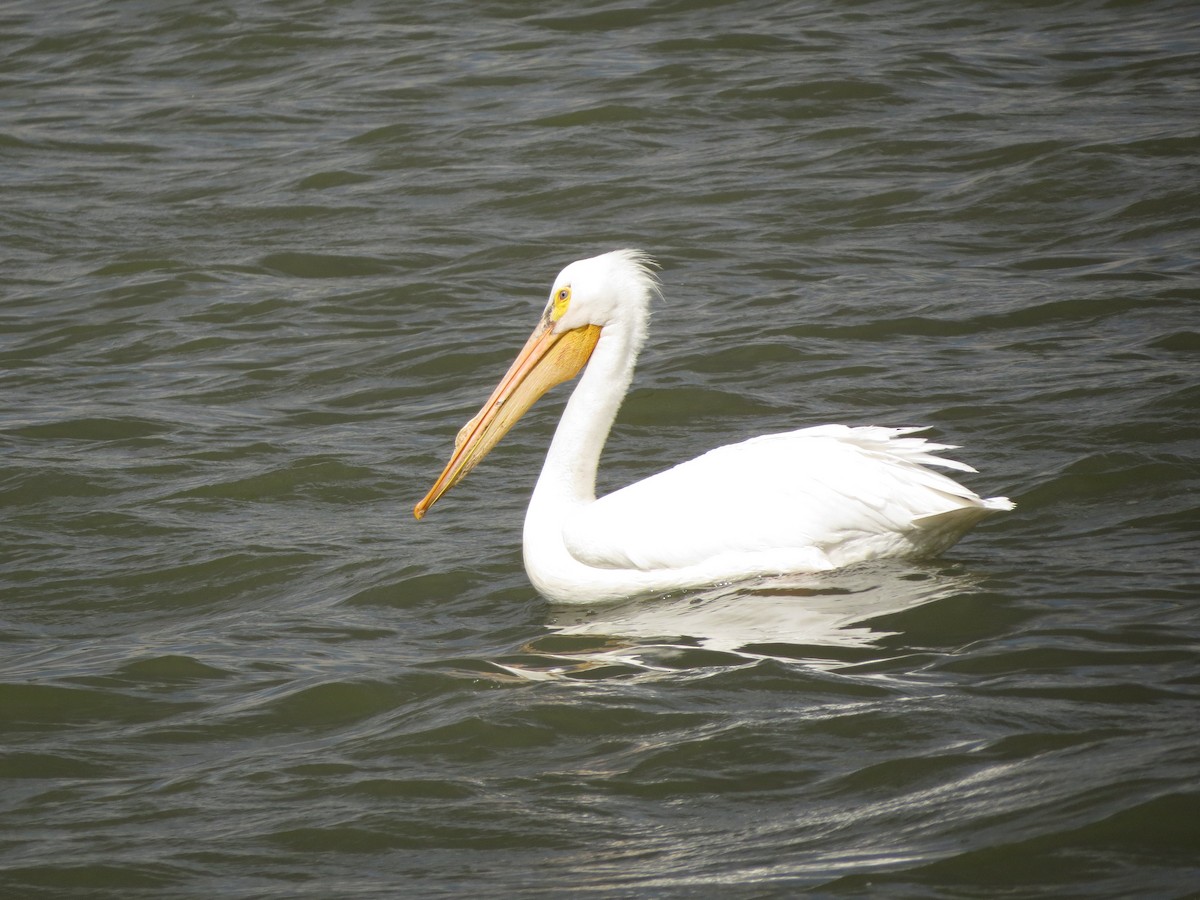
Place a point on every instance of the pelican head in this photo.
(588, 296)
(602, 290)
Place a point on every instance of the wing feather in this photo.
(819, 490)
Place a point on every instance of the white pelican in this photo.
(782, 504)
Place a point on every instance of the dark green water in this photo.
(259, 261)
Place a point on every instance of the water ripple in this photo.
(260, 265)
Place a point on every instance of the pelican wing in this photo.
(804, 500)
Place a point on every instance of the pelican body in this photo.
(782, 504)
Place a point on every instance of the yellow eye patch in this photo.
(562, 299)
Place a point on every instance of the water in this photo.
(260, 261)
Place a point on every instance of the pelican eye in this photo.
(562, 299)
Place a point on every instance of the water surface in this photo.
(259, 262)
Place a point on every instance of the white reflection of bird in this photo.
(799, 502)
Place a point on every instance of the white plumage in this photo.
(798, 502)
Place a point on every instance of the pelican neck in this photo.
(569, 472)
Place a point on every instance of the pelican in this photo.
(781, 504)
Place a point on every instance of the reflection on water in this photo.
(733, 625)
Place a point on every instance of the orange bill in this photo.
(546, 359)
